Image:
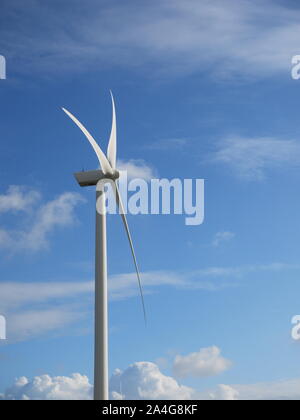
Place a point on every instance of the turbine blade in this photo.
(112, 144)
(105, 165)
(123, 215)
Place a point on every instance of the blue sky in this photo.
(202, 91)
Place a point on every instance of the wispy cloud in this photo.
(137, 168)
(35, 308)
(31, 323)
(14, 295)
(18, 198)
(252, 158)
(123, 286)
(221, 237)
(56, 213)
(172, 38)
(44, 218)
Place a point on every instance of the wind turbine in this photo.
(107, 174)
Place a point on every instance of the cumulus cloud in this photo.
(206, 362)
(136, 168)
(45, 387)
(44, 218)
(288, 389)
(144, 381)
(225, 393)
(169, 38)
(251, 158)
(221, 237)
(140, 381)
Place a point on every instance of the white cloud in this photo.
(125, 285)
(19, 294)
(56, 213)
(18, 198)
(277, 390)
(221, 237)
(45, 387)
(168, 37)
(44, 219)
(27, 318)
(251, 158)
(225, 393)
(64, 303)
(144, 381)
(122, 286)
(141, 380)
(136, 168)
(288, 389)
(27, 324)
(206, 362)
(5, 240)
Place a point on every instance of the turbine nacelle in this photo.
(90, 178)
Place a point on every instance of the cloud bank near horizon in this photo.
(144, 380)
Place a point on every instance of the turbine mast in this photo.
(108, 173)
(101, 299)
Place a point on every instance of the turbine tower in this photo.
(107, 174)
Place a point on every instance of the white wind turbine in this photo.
(108, 173)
